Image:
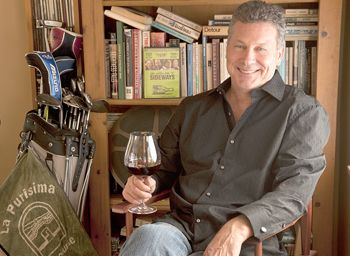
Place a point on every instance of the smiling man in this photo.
(243, 159)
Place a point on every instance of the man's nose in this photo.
(249, 56)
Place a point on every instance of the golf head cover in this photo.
(65, 43)
(45, 63)
(65, 64)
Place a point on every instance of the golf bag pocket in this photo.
(65, 152)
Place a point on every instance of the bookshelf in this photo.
(328, 47)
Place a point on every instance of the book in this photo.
(133, 14)
(107, 69)
(129, 91)
(127, 20)
(180, 19)
(146, 39)
(121, 59)
(113, 65)
(300, 12)
(215, 31)
(216, 61)
(209, 67)
(158, 39)
(189, 69)
(178, 26)
(137, 62)
(219, 22)
(183, 69)
(222, 16)
(161, 72)
(172, 32)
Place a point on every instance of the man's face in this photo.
(252, 54)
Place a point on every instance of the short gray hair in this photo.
(260, 11)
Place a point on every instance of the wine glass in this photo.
(142, 158)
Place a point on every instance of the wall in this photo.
(344, 142)
(14, 81)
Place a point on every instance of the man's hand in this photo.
(139, 189)
(228, 241)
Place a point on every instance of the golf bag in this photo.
(67, 153)
(57, 130)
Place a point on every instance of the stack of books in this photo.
(302, 24)
(298, 67)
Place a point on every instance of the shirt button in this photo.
(229, 113)
(222, 167)
(232, 141)
(263, 229)
(283, 225)
(208, 194)
(198, 220)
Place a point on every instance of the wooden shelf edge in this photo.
(193, 2)
(145, 102)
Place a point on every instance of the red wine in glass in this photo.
(143, 171)
(142, 158)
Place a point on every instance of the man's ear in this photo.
(280, 54)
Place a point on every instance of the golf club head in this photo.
(100, 106)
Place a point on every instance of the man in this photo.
(242, 160)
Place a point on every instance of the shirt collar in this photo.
(275, 87)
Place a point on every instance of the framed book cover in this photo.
(161, 72)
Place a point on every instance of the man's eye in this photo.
(238, 46)
(261, 49)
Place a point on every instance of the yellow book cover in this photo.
(161, 73)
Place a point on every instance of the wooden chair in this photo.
(304, 221)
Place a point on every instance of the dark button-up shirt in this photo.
(264, 165)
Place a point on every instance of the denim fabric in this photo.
(158, 239)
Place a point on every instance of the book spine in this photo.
(121, 59)
(222, 63)
(107, 69)
(209, 68)
(226, 74)
(113, 65)
(189, 69)
(180, 19)
(215, 31)
(129, 91)
(158, 39)
(137, 63)
(126, 20)
(172, 32)
(200, 69)
(290, 65)
(219, 22)
(302, 19)
(146, 39)
(216, 61)
(297, 30)
(195, 68)
(204, 45)
(295, 63)
(222, 16)
(178, 26)
(300, 12)
(183, 69)
(302, 68)
(133, 14)
(313, 70)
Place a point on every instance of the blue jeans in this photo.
(157, 239)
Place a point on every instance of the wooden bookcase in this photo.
(199, 11)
